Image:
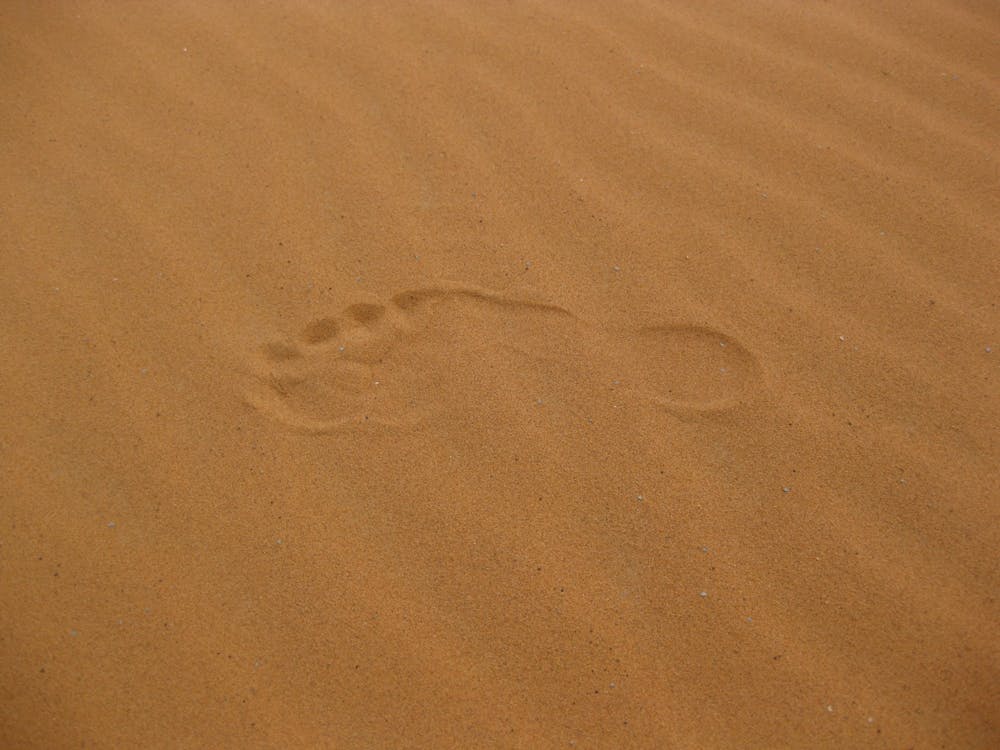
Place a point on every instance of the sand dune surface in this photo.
(527, 374)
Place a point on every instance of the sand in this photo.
(530, 374)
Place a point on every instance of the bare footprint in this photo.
(348, 369)
(692, 370)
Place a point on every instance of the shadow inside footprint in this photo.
(365, 313)
(279, 351)
(320, 331)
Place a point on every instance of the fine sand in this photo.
(515, 374)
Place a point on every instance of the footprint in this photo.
(391, 364)
(692, 370)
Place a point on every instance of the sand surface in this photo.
(524, 374)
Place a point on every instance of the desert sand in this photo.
(514, 375)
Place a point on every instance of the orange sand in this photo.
(477, 375)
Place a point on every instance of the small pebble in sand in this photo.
(786, 489)
(705, 550)
(829, 709)
(111, 524)
(640, 498)
(703, 594)
(989, 349)
(840, 337)
(617, 269)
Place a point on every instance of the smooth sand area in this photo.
(499, 374)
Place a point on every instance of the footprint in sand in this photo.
(389, 364)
